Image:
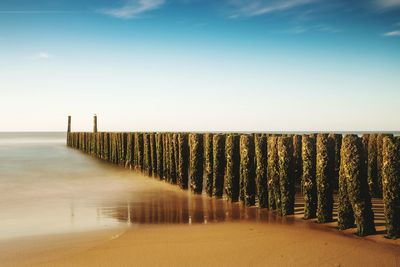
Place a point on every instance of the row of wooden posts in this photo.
(267, 169)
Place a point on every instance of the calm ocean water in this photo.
(48, 188)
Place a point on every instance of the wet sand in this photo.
(220, 244)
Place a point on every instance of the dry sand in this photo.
(212, 244)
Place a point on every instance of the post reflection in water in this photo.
(187, 209)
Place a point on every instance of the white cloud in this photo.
(387, 4)
(41, 56)
(133, 8)
(251, 8)
(392, 34)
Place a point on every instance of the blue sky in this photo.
(200, 65)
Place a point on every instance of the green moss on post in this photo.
(345, 211)
(129, 150)
(218, 164)
(107, 146)
(208, 163)
(324, 170)
(247, 171)
(379, 160)
(175, 144)
(309, 183)
(140, 149)
(171, 154)
(286, 174)
(183, 161)
(159, 156)
(357, 187)
(336, 139)
(196, 163)
(273, 174)
(391, 185)
(153, 155)
(261, 170)
(372, 166)
(147, 154)
(297, 162)
(166, 157)
(232, 175)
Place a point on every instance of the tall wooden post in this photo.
(95, 123)
(69, 124)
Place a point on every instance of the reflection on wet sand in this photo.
(179, 209)
(185, 208)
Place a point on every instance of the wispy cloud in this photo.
(392, 34)
(41, 56)
(133, 8)
(315, 28)
(40, 12)
(387, 4)
(250, 8)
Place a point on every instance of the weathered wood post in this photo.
(261, 170)
(175, 144)
(297, 162)
(357, 185)
(153, 155)
(147, 154)
(247, 171)
(379, 159)
(208, 163)
(372, 166)
(218, 164)
(325, 168)
(273, 174)
(232, 175)
(286, 174)
(391, 185)
(183, 161)
(69, 131)
(345, 211)
(336, 140)
(171, 154)
(95, 123)
(160, 155)
(309, 183)
(196, 163)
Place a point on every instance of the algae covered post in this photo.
(218, 164)
(391, 185)
(261, 170)
(232, 175)
(354, 171)
(208, 163)
(286, 174)
(324, 175)
(309, 186)
(247, 172)
(196, 162)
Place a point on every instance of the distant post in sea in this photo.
(95, 123)
(69, 124)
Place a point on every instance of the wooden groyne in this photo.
(266, 170)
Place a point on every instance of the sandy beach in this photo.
(220, 244)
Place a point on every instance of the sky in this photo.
(199, 65)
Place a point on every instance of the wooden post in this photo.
(95, 123)
(308, 183)
(354, 172)
(286, 174)
(391, 185)
(324, 170)
(232, 176)
(218, 164)
(196, 163)
(261, 170)
(247, 171)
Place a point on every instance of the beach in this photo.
(60, 207)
